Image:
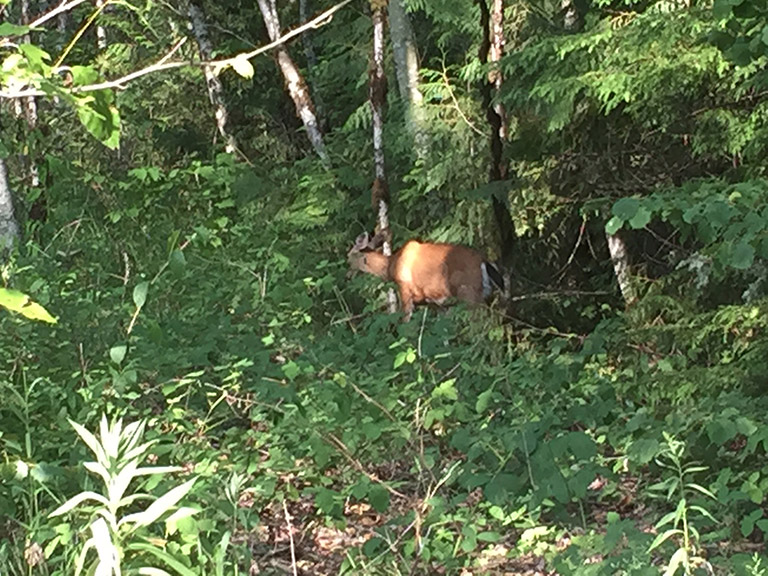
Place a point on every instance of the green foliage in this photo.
(207, 297)
(117, 537)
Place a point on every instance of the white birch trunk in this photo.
(294, 81)
(30, 107)
(377, 94)
(407, 72)
(215, 89)
(101, 32)
(495, 54)
(620, 261)
(9, 228)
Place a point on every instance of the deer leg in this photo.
(406, 301)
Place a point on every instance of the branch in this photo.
(63, 7)
(163, 64)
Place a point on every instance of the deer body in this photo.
(426, 272)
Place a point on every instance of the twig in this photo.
(290, 536)
(162, 64)
(456, 105)
(576, 247)
(421, 331)
(78, 35)
(367, 398)
(63, 7)
(561, 293)
(339, 445)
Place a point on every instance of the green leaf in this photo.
(140, 294)
(483, 400)
(177, 262)
(100, 117)
(721, 9)
(446, 389)
(742, 255)
(581, 445)
(469, 540)
(643, 450)
(613, 225)
(159, 506)
(747, 524)
(36, 57)
(84, 75)
(489, 536)
(378, 496)
(625, 208)
(242, 66)
(8, 29)
(117, 353)
(19, 302)
(641, 218)
(739, 53)
(164, 556)
(291, 370)
(661, 538)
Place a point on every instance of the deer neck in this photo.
(378, 265)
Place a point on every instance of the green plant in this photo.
(682, 521)
(120, 539)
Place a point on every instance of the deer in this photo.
(427, 272)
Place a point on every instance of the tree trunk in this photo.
(30, 111)
(620, 259)
(309, 54)
(498, 168)
(407, 74)
(9, 228)
(215, 89)
(294, 81)
(377, 93)
(496, 53)
(101, 32)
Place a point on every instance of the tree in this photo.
(294, 80)
(377, 95)
(215, 88)
(498, 167)
(9, 228)
(406, 61)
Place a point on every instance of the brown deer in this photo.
(427, 272)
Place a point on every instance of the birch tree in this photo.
(406, 60)
(294, 81)
(496, 51)
(29, 105)
(9, 228)
(101, 32)
(199, 30)
(377, 93)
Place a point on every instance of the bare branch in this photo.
(163, 64)
(63, 7)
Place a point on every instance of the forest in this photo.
(208, 367)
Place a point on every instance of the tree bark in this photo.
(215, 89)
(9, 228)
(495, 55)
(29, 105)
(294, 81)
(498, 168)
(377, 93)
(101, 32)
(620, 260)
(407, 73)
